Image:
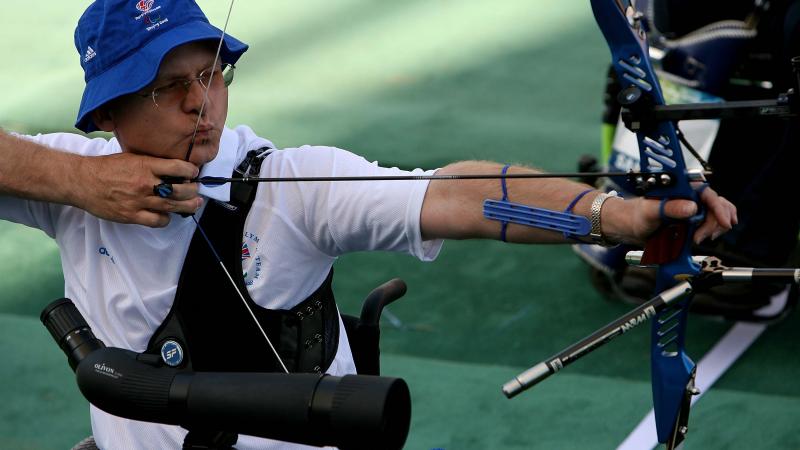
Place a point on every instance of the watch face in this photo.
(172, 353)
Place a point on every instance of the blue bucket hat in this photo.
(122, 43)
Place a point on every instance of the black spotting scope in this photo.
(350, 412)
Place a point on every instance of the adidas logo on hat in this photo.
(90, 53)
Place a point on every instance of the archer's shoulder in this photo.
(319, 159)
(244, 139)
(74, 143)
(302, 159)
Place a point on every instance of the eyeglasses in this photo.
(174, 92)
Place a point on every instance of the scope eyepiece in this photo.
(70, 330)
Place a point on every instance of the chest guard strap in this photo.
(209, 329)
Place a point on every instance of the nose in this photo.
(194, 98)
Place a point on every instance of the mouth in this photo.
(203, 132)
(205, 135)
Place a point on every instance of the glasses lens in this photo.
(227, 74)
(176, 91)
(169, 94)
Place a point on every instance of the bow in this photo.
(670, 248)
(679, 274)
(665, 177)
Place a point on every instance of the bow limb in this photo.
(670, 247)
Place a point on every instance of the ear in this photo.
(103, 118)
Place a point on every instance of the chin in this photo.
(204, 151)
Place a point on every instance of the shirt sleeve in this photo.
(349, 216)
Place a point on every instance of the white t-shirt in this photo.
(123, 278)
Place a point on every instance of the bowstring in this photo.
(210, 80)
(188, 155)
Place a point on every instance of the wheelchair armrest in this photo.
(379, 298)
(364, 332)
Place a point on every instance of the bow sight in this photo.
(639, 113)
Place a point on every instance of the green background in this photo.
(413, 84)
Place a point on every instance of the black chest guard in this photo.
(209, 329)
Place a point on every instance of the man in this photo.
(153, 79)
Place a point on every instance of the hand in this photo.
(643, 217)
(120, 188)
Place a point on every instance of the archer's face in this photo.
(164, 127)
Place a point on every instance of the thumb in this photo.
(680, 209)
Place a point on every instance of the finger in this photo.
(151, 219)
(707, 229)
(725, 212)
(724, 206)
(721, 213)
(168, 205)
(174, 168)
(680, 209)
(731, 219)
(185, 191)
(734, 213)
(717, 207)
(187, 206)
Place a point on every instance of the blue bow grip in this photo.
(505, 211)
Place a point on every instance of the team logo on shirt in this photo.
(253, 268)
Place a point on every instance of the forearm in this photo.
(33, 171)
(117, 187)
(454, 209)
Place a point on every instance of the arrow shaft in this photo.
(221, 180)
